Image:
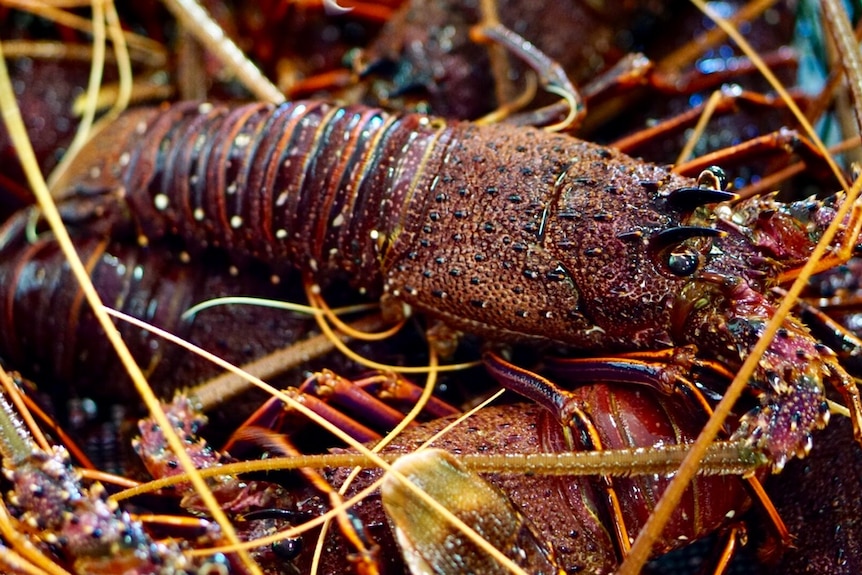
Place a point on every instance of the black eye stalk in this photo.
(712, 178)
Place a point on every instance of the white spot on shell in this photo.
(198, 214)
(374, 234)
(236, 222)
(95, 172)
(205, 107)
(185, 257)
(242, 140)
(125, 158)
(231, 189)
(161, 202)
(233, 270)
(338, 221)
(281, 234)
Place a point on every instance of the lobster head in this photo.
(726, 306)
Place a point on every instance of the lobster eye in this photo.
(683, 263)
(712, 178)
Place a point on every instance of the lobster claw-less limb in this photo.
(789, 378)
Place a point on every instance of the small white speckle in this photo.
(730, 514)
(95, 172)
(185, 257)
(124, 159)
(231, 189)
(236, 222)
(233, 270)
(198, 214)
(338, 221)
(242, 140)
(205, 107)
(374, 234)
(161, 202)
(549, 314)
(333, 252)
(312, 264)
(274, 279)
(315, 289)
(281, 233)
(140, 128)
(281, 199)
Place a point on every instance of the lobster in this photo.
(583, 521)
(510, 233)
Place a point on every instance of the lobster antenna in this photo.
(146, 50)
(193, 17)
(696, 134)
(330, 333)
(321, 307)
(21, 418)
(273, 303)
(97, 68)
(722, 458)
(88, 127)
(689, 52)
(847, 46)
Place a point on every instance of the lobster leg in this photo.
(362, 397)
(552, 76)
(667, 378)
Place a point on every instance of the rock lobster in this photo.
(511, 233)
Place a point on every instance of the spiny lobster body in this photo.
(506, 232)
(434, 214)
